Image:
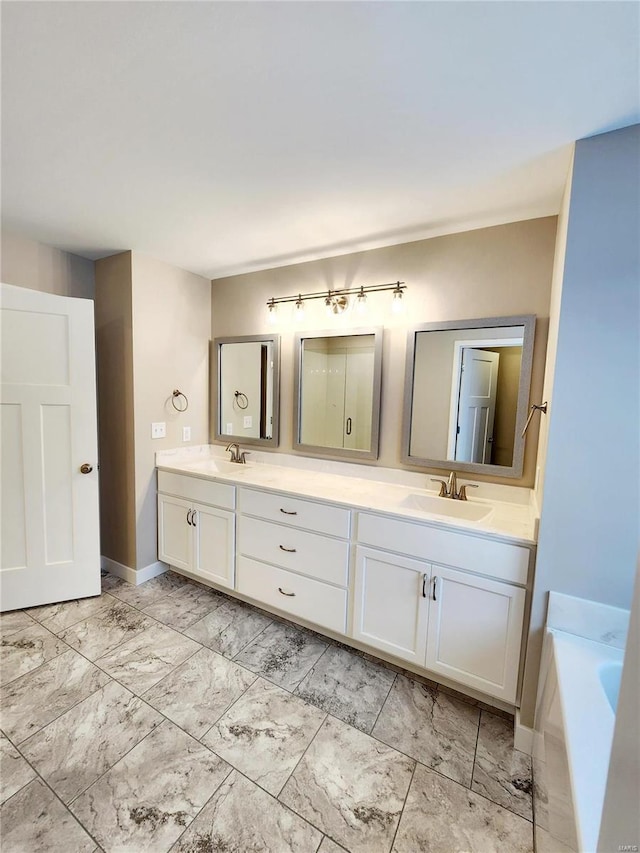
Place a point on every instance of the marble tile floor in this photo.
(171, 717)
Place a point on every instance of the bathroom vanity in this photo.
(436, 585)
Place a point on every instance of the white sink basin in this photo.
(220, 466)
(467, 510)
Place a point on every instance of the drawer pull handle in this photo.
(282, 592)
(288, 550)
(286, 512)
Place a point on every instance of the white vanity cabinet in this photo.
(287, 560)
(448, 600)
(196, 527)
(453, 621)
(390, 603)
(475, 630)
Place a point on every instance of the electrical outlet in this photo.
(248, 421)
(158, 430)
(186, 433)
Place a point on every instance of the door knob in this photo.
(86, 468)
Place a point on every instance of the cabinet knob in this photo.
(85, 468)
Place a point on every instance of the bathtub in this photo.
(576, 718)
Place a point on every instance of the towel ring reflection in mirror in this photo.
(242, 401)
(179, 401)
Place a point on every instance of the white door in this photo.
(175, 532)
(49, 520)
(391, 605)
(475, 630)
(476, 405)
(214, 544)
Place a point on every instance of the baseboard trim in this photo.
(133, 576)
(523, 736)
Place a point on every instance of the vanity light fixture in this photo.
(397, 305)
(337, 301)
(273, 312)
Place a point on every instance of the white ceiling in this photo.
(228, 137)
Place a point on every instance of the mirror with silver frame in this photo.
(246, 389)
(337, 393)
(466, 394)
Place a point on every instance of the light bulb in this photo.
(272, 315)
(361, 302)
(299, 309)
(397, 305)
(328, 304)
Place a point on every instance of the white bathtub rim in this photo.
(588, 722)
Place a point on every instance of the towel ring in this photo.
(175, 397)
(241, 399)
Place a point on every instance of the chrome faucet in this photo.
(237, 455)
(449, 488)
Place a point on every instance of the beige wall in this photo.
(171, 328)
(153, 336)
(114, 348)
(25, 263)
(504, 427)
(489, 272)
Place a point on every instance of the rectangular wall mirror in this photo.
(466, 394)
(337, 399)
(246, 392)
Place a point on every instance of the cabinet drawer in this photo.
(297, 512)
(309, 599)
(197, 489)
(308, 553)
(484, 556)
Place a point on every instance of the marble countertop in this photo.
(509, 521)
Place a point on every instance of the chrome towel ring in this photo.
(242, 400)
(179, 401)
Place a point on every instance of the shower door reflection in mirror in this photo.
(339, 393)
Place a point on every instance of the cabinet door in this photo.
(175, 534)
(390, 610)
(214, 544)
(475, 630)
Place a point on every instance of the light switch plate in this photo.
(159, 430)
(248, 421)
(229, 429)
(186, 433)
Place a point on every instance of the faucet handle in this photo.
(444, 489)
(462, 494)
(242, 458)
